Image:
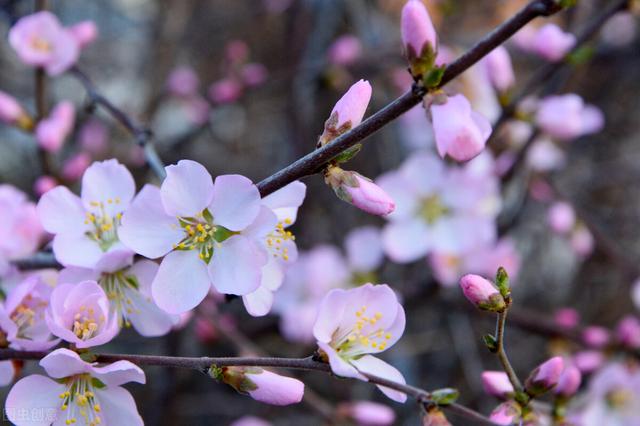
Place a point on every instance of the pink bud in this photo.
(628, 332)
(540, 190)
(237, 51)
(254, 74)
(620, 29)
(225, 91)
(274, 389)
(551, 43)
(561, 217)
(367, 413)
(183, 81)
(482, 293)
(10, 109)
(84, 32)
(545, 376)
(368, 196)
(592, 119)
(595, 336)
(348, 111)
(505, 414)
(418, 35)
(52, 131)
(569, 382)
(44, 184)
(500, 69)
(560, 116)
(250, 421)
(567, 318)
(582, 241)
(74, 167)
(496, 383)
(345, 50)
(93, 137)
(197, 109)
(459, 131)
(588, 361)
(205, 330)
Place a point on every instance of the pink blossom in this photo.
(77, 391)
(7, 372)
(205, 330)
(367, 413)
(364, 249)
(360, 191)
(588, 361)
(628, 332)
(250, 421)
(352, 324)
(439, 208)
(261, 385)
(197, 109)
(595, 336)
(254, 74)
(620, 30)
(418, 36)
(86, 227)
(482, 293)
(551, 43)
(345, 50)
(44, 184)
(545, 376)
(582, 241)
(348, 111)
(20, 229)
(278, 213)
(40, 40)
(567, 318)
(208, 232)
(569, 382)
(567, 117)
(505, 414)
(52, 132)
(93, 137)
(237, 51)
(128, 286)
(561, 217)
(183, 81)
(75, 166)
(79, 314)
(225, 91)
(11, 112)
(500, 69)
(85, 33)
(459, 131)
(496, 383)
(545, 156)
(22, 317)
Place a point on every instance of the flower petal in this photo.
(339, 366)
(285, 201)
(76, 250)
(235, 203)
(31, 392)
(110, 183)
(259, 302)
(119, 373)
(146, 228)
(7, 372)
(61, 211)
(330, 314)
(406, 241)
(236, 266)
(64, 363)
(187, 190)
(371, 365)
(118, 407)
(181, 283)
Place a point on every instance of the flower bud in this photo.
(356, 189)
(74, 167)
(418, 37)
(11, 112)
(84, 33)
(582, 241)
(261, 385)
(52, 131)
(367, 413)
(496, 383)
(569, 382)
(459, 131)
(545, 377)
(628, 332)
(183, 81)
(500, 69)
(595, 337)
(345, 50)
(506, 413)
(551, 43)
(482, 293)
(348, 111)
(225, 91)
(588, 361)
(254, 74)
(567, 318)
(561, 217)
(44, 184)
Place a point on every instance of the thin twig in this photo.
(141, 133)
(204, 363)
(502, 353)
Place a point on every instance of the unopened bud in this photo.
(628, 332)
(348, 112)
(356, 189)
(569, 382)
(506, 413)
(496, 383)
(418, 37)
(545, 377)
(261, 385)
(482, 293)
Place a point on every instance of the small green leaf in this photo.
(490, 342)
(97, 383)
(347, 154)
(215, 372)
(580, 55)
(502, 281)
(206, 214)
(445, 396)
(433, 77)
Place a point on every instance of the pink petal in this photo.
(110, 183)
(61, 211)
(118, 373)
(371, 365)
(187, 189)
(32, 393)
(235, 203)
(258, 303)
(64, 363)
(285, 201)
(236, 266)
(118, 407)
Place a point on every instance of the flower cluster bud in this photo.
(419, 38)
(482, 293)
(356, 189)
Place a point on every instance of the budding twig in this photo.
(502, 354)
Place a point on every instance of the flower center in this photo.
(104, 227)
(118, 287)
(363, 335)
(80, 400)
(433, 209)
(85, 323)
(277, 238)
(202, 235)
(40, 44)
(619, 399)
(27, 313)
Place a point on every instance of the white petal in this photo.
(371, 365)
(34, 394)
(118, 407)
(259, 302)
(110, 183)
(76, 250)
(406, 241)
(61, 211)
(236, 266)
(235, 203)
(187, 190)
(285, 201)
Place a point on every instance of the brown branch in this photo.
(204, 363)
(313, 162)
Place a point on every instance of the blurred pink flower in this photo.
(183, 81)
(569, 382)
(208, 232)
(595, 336)
(93, 137)
(620, 30)
(582, 241)
(197, 109)
(589, 360)
(551, 43)
(44, 184)
(345, 50)
(500, 69)
(505, 414)
(236, 51)
(567, 117)
(352, 324)
(545, 377)
(561, 217)
(40, 40)
(459, 131)
(11, 112)
(225, 91)
(367, 413)
(545, 156)
(75, 166)
(364, 249)
(567, 318)
(85, 33)
(254, 74)
(250, 421)
(628, 332)
(496, 383)
(20, 229)
(7, 372)
(86, 227)
(52, 132)
(77, 387)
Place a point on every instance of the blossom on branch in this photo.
(348, 111)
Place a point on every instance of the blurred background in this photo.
(268, 73)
